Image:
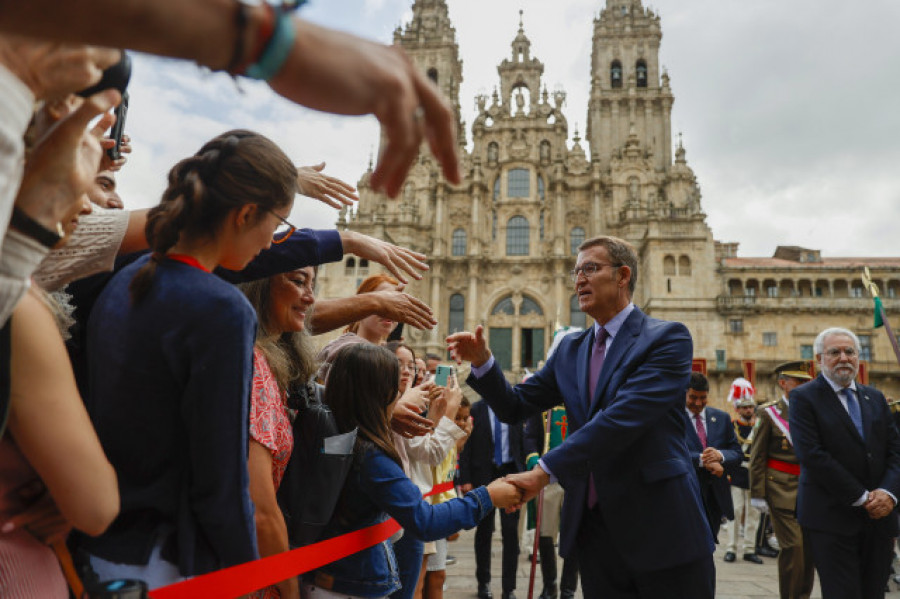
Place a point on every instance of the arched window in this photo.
(517, 242)
(529, 306)
(456, 322)
(459, 242)
(615, 74)
(493, 152)
(350, 268)
(504, 306)
(542, 226)
(641, 70)
(684, 266)
(518, 184)
(433, 74)
(541, 191)
(496, 189)
(576, 238)
(494, 224)
(577, 318)
(363, 267)
(669, 265)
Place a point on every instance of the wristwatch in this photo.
(28, 226)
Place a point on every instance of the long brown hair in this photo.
(231, 170)
(363, 381)
(369, 285)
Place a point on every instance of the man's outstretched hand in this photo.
(470, 347)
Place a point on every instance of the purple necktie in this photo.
(598, 353)
(701, 432)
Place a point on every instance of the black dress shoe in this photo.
(730, 556)
(766, 551)
(549, 592)
(752, 557)
(484, 591)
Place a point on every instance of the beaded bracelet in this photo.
(277, 49)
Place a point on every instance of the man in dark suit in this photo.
(713, 447)
(632, 503)
(494, 449)
(849, 452)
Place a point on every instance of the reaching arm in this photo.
(328, 315)
(325, 70)
(46, 406)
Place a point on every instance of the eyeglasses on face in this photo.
(589, 269)
(282, 231)
(834, 352)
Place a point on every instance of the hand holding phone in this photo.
(442, 375)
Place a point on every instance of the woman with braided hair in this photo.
(170, 361)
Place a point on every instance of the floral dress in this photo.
(270, 426)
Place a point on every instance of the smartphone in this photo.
(442, 375)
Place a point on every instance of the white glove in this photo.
(760, 504)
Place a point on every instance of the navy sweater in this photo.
(169, 395)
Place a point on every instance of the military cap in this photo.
(795, 370)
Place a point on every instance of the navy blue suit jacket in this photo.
(630, 436)
(719, 434)
(836, 464)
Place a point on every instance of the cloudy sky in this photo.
(790, 109)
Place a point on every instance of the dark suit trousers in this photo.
(605, 574)
(509, 529)
(854, 566)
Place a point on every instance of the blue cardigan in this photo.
(169, 396)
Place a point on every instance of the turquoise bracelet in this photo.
(277, 50)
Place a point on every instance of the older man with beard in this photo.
(849, 451)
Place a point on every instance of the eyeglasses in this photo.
(409, 367)
(282, 231)
(589, 269)
(835, 352)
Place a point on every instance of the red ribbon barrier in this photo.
(246, 578)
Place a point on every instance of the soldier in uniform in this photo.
(742, 396)
(533, 442)
(774, 478)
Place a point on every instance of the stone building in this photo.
(501, 244)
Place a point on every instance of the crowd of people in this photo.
(154, 363)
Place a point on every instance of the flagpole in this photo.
(880, 314)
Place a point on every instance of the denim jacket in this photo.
(377, 488)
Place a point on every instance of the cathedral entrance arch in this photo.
(517, 332)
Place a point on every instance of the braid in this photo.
(236, 168)
(166, 220)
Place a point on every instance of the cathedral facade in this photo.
(502, 243)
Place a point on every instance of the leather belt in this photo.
(786, 467)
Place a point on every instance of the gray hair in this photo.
(819, 344)
(620, 252)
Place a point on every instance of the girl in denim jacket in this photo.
(362, 386)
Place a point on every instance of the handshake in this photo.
(512, 491)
